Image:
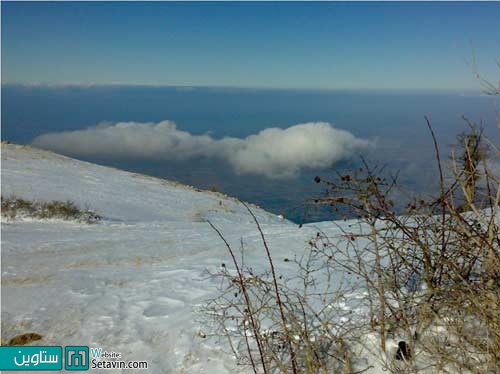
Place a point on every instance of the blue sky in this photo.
(332, 45)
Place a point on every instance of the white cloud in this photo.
(274, 152)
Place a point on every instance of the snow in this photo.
(131, 283)
(134, 282)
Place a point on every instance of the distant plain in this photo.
(393, 120)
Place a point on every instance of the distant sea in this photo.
(394, 119)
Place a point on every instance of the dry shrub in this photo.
(13, 207)
(425, 280)
(433, 273)
(276, 323)
(428, 279)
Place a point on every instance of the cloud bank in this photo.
(273, 152)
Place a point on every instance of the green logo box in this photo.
(31, 358)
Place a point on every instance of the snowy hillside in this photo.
(132, 282)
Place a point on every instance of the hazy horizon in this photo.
(77, 85)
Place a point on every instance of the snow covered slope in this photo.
(119, 196)
(132, 282)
